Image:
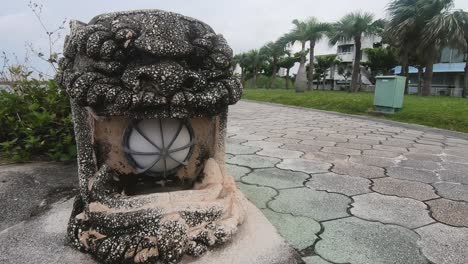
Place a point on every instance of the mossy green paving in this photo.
(435, 111)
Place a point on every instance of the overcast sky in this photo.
(246, 24)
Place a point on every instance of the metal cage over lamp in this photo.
(158, 147)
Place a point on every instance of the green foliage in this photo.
(436, 111)
(324, 63)
(380, 60)
(263, 82)
(36, 123)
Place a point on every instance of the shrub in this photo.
(263, 81)
(36, 123)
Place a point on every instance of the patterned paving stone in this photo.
(315, 260)
(343, 151)
(352, 240)
(258, 195)
(300, 232)
(241, 149)
(280, 153)
(453, 191)
(309, 203)
(262, 144)
(358, 170)
(344, 184)
(319, 143)
(334, 139)
(391, 210)
(402, 188)
(235, 141)
(364, 141)
(380, 153)
(449, 212)
(454, 172)
(253, 161)
(326, 157)
(354, 146)
(248, 137)
(412, 174)
(237, 171)
(399, 150)
(298, 136)
(454, 159)
(304, 165)
(423, 157)
(301, 147)
(282, 140)
(373, 161)
(276, 178)
(420, 164)
(443, 244)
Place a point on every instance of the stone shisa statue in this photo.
(149, 92)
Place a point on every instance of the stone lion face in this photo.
(149, 93)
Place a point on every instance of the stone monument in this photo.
(149, 92)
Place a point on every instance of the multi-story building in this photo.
(448, 76)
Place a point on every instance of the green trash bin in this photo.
(389, 93)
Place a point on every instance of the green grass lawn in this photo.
(435, 111)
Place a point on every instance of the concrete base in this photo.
(41, 240)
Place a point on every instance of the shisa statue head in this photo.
(149, 92)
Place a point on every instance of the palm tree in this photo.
(315, 31)
(450, 28)
(242, 60)
(354, 26)
(274, 50)
(299, 34)
(408, 27)
(255, 59)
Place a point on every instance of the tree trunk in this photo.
(407, 78)
(301, 78)
(357, 63)
(273, 74)
(287, 78)
(323, 82)
(428, 74)
(465, 86)
(420, 78)
(254, 78)
(404, 70)
(310, 77)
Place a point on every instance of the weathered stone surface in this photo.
(352, 240)
(402, 188)
(381, 153)
(452, 191)
(454, 172)
(262, 144)
(420, 164)
(319, 143)
(449, 212)
(373, 161)
(318, 205)
(253, 161)
(276, 178)
(358, 170)
(412, 174)
(301, 147)
(340, 150)
(444, 244)
(423, 157)
(248, 137)
(304, 165)
(326, 157)
(398, 150)
(280, 153)
(237, 171)
(332, 182)
(354, 146)
(315, 260)
(42, 240)
(299, 231)
(236, 149)
(391, 210)
(282, 140)
(258, 195)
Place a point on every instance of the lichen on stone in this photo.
(152, 62)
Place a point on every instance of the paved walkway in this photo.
(342, 189)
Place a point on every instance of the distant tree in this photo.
(287, 63)
(323, 65)
(354, 26)
(299, 34)
(242, 60)
(255, 59)
(412, 26)
(274, 51)
(380, 60)
(345, 71)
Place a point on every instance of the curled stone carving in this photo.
(156, 62)
(125, 67)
